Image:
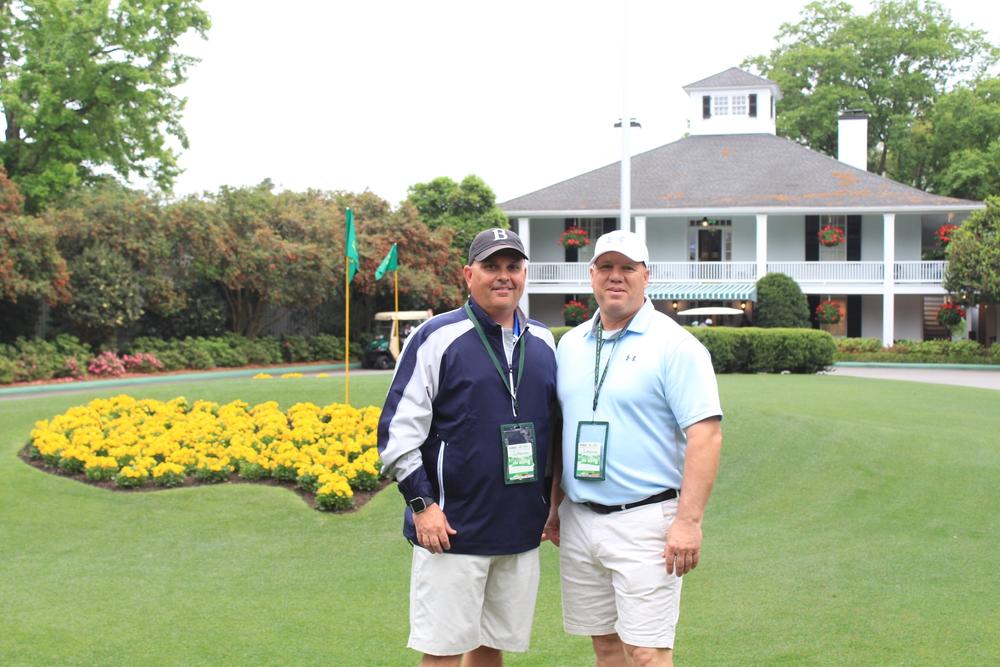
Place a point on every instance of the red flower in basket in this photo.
(950, 315)
(575, 312)
(829, 312)
(574, 237)
(944, 233)
(830, 236)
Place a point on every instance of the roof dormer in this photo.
(732, 102)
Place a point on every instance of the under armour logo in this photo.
(499, 234)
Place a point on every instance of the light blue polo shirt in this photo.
(660, 381)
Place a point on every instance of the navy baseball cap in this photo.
(494, 240)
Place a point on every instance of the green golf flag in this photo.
(390, 263)
(352, 248)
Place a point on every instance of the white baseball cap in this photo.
(629, 244)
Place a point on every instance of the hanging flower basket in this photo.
(951, 315)
(830, 236)
(574, 237)
(944, 233)
(575, 313)
(829, 312)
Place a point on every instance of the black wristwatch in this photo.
(419, 504)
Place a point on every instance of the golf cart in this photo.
(384, 350)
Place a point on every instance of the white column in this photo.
(524, 231)
(888, 279)
(640, 229)
(761, 245)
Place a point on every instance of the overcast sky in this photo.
(382, 94)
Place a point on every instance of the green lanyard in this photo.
(509, 384)
(597, 358)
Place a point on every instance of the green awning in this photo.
(722, 291)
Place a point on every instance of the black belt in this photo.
(669, 494)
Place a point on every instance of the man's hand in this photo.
(683, 547)
(551, 530)
(433, 529)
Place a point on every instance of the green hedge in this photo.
(38, 359)
(65, 356)
(754, 350)
(916, 352)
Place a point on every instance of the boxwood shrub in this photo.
(754, 350)
(916, 352)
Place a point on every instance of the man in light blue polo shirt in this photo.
(641, 421)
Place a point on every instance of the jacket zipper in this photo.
(440, 474)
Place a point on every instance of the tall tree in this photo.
(263, 249)
(974, 254)
(963, 142)
(131, 226)
(430, 270)
(467, 207)
(86, 85)
(30, 264)
(892, 63)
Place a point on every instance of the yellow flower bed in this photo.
(329, 451)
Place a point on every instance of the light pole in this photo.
(625, 217)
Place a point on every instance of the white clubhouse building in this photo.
(732, 201)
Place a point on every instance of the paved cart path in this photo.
(965, 377)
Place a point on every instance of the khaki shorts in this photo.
(460, 602)
(614, 577)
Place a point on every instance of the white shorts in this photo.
(614, 577)
(460, 602)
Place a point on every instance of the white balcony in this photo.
(708, 271)
(920, 272)
(577, 272)
(830, 272)
(869, 274)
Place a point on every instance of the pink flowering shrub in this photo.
(142, 362)
(106, 364)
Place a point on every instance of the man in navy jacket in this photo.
(465, 431)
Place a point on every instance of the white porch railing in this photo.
(696, 271)
(826, 272)
(920, 272)
(577, 272)
(558, 272)
(802, 272)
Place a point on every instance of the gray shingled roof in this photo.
(733, 77)
(759, 171)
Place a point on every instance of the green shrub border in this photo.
(930, 352)
(29, 360)
(756, 350)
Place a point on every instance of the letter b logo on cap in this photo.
(499, 234)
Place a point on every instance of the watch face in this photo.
(418, 505)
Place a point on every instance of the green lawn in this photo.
(854, 522)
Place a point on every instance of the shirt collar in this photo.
(520, 321)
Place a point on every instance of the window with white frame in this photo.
(720, 105)
(739, 103)
(837, 253)
(594, 227)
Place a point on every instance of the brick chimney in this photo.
(852, 139)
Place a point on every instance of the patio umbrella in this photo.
(711, 310)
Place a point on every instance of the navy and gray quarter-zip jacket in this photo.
(439, 433)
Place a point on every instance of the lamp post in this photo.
(625, 217)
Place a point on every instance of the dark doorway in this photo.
(709, 245)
